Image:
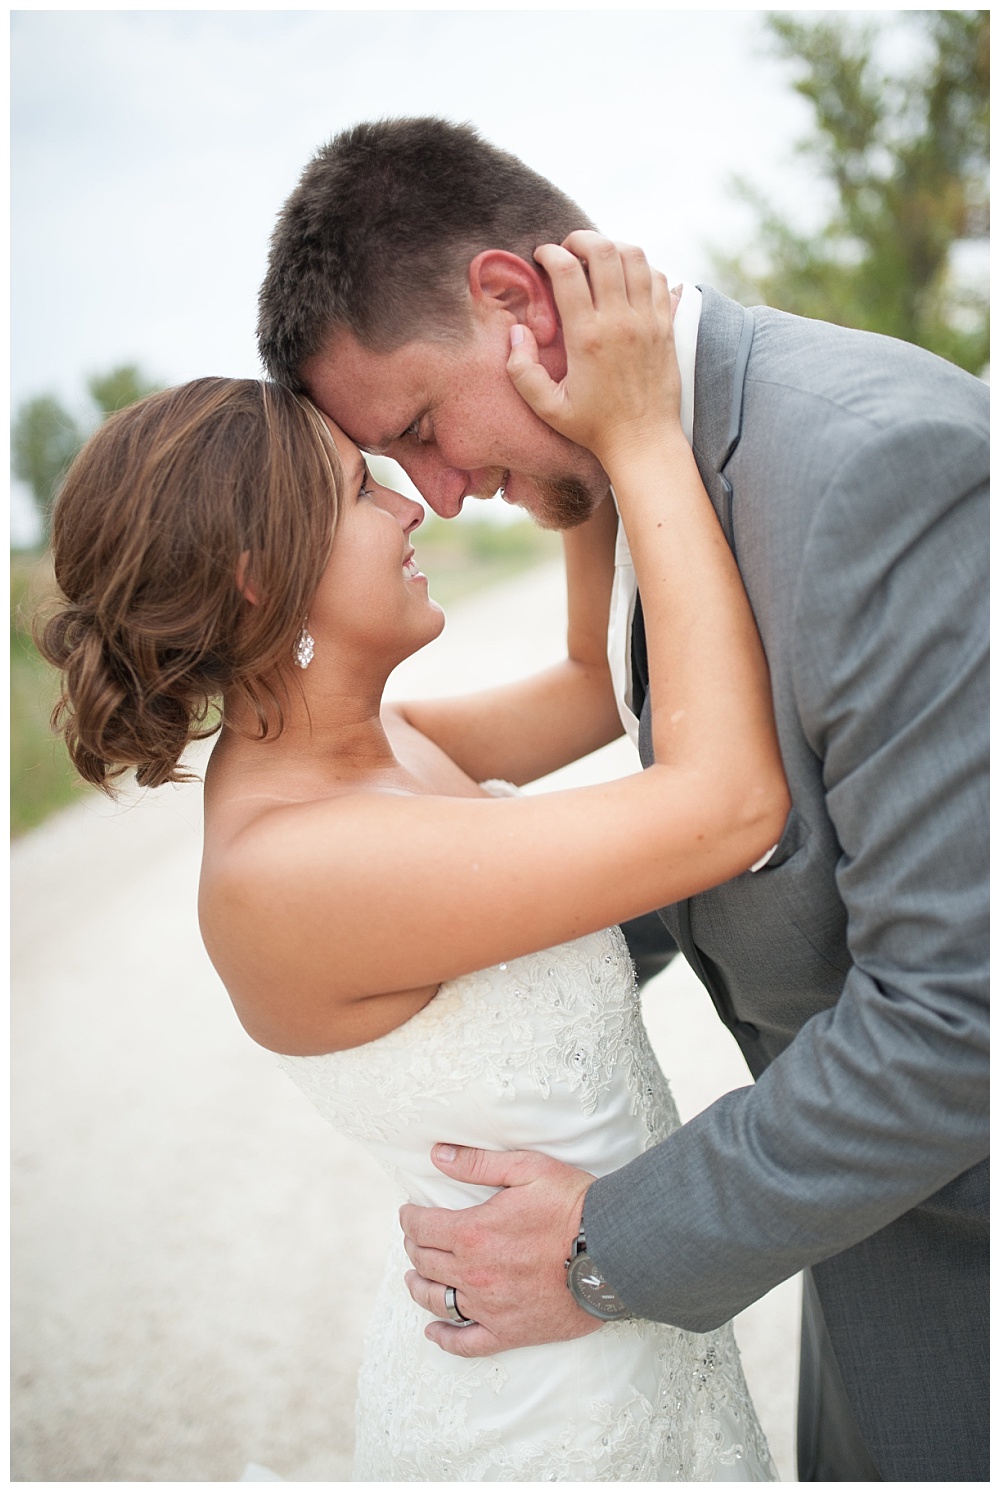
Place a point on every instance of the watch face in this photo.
(592, 1293)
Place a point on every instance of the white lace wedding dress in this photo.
(546, 1052)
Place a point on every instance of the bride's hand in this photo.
(621, 389)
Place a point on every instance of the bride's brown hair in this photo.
(173, 512)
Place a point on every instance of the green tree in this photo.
(44, 439)
(907, 158)
(119, 388)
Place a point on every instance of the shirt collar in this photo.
(686, 319)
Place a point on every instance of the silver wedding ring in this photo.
(451, 1306)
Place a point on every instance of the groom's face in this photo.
(449, 414)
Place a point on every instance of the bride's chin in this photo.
(434, 620)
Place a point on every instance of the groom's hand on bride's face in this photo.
(505, 1259)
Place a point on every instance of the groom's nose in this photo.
(442, 487)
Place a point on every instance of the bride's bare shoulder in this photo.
(286, 923)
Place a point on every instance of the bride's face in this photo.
(372, 595)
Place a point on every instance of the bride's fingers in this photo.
(568, 277)
(528, 376)
(663, 296)
(637, 274)
(604, 266)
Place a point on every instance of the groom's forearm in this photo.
(773, 1178)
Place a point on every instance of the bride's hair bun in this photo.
(173, 511)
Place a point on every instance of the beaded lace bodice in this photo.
(545, 1052)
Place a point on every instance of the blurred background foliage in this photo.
(45, 437)
(903, 151)
(41, 777)
(905, 154)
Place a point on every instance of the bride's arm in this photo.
(332, 922)
(524, 730)
(621, 399)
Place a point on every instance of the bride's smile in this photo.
(372, 600)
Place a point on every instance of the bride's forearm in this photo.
(525, 730)
(708, 678)
(620, 398)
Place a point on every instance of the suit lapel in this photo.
(725, 336)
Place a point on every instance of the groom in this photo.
(849, 475)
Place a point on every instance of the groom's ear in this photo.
(505, 285)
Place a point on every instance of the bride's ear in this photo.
(503, 284)
(244, 584)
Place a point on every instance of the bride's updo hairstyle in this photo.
(173, 510)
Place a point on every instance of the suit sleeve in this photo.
(880, 1101)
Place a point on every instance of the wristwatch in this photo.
(588, 1288)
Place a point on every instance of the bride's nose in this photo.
(407, 513)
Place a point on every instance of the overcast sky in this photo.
(151, 151)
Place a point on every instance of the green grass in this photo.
(459, 557)
(42, 778)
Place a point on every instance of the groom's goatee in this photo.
(563, 502)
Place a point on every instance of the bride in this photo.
(432, 954)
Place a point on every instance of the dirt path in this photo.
(194, 1250)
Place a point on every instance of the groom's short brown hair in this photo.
(378, 235)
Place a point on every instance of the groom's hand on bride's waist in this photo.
(505, 1260)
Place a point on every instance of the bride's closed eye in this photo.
(366, 489)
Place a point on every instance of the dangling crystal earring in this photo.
(305, 648)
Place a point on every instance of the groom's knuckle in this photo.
(414, 1229)
(526, 1167)
(478, 1277)
(421, 1263)
(471, 1234)
(477, 1163)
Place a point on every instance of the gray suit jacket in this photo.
(850, 474)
